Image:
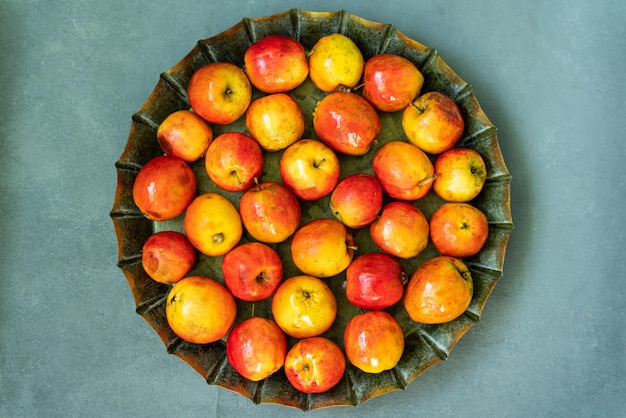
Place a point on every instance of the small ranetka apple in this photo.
(234, 161)
(314, 365)
(335, 63)
(375, 281)
(357, 200)
(184, 134)
(400, 230)
(460, 174)
(458, 229)
(391, 82)
(275, 121)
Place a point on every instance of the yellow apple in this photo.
(275, 121)
(335, 62)
(461, 174)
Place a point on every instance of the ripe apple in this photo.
(256, 348)
(458, 229)
(373, 341)
(335, 62)
(346, 122)
(439, 290)
(310, 169)
(270, 212)
(163, 188)
(322, 247)
(234, 161)
(275, 121)
(405, 172)
(401, 230)
(252, 271)
(212, 224)
(356, 200)
(219, 92)
(314, 365)
(167, 256)
(184, 134)
(200, 310)
(391, 82)
(375, 281)
(304, 306)
(460, 174)
(276, 64)
(433, 122)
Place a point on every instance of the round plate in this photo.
(425, 345)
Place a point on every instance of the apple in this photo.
(167, 256)
(219, 92)
(460, 174)
(373, 341)
(163, 188)
(335, 62)
(458, 229)
(356, 200)
(322, 247)
(401, 230)
(234, 161)
(433, 122)
(375, 281)
(439, 290)
(346, 122)
(405, 172)
(310, 169)
(270, 212)
(256, 348)
(276, 64)
(304, 306)
(275, 121)
(391, 82)
(252, 271)
(314, 365)
(184, 134)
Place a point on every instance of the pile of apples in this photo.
(347, 122)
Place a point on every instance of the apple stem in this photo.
(252, 310)
(317, 164)
(352, 247)
(218, 238)
(234, 173)
(427, 180)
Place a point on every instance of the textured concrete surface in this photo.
(550, 75)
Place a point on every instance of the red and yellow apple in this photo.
(252, 271)
(234, 161)
(276, 64)
(458, 229)
(401, 230)
(335, 62)
(256, 348)
(167, 256)
(375, 281)
(270, 212)
(357, 200)
(391, 82)
(433, 122)
(322, 247)
(184, 134)
(314, 365)
(275, 121)
(346, 122)
(439, 290)
(405, 172)
(460, 174)
(219, 92)
(310, 169)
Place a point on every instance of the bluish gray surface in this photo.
(551, 77)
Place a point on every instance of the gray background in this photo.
(551, 77)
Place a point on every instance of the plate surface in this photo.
(425, 345)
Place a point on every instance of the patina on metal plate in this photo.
(425, 344)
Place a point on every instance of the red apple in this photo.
(460, 174)
(167, 256)
(310, 169)
(458, 229)
(391, 82)
(346, 122)
(276, 64)
(270, 212)
(356, 200)
(314, 365)
(404, 171)
(401, 230)
(234, 161)
(252, 271)
(439, 290)
(219, 92)
(375, 281)
(256, 348)
(275, 121)
(433, 122)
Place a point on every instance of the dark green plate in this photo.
(425, 344)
